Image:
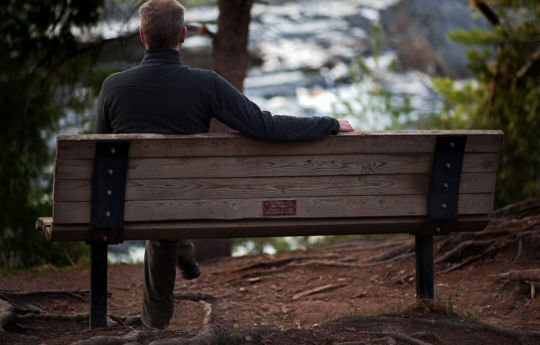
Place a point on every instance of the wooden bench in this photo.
(110, 188)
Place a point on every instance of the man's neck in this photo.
(177, 48)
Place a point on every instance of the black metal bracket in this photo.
(442, 210)
(108, 191)
(107, 220)
(444, 186)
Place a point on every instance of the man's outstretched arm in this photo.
(238, 112)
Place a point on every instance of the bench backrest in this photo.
(226, 185)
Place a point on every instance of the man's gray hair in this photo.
(162, 22)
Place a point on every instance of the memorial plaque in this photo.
(279, 208)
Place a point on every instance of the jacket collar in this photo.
(170, 56)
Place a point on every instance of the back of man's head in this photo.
(162, 22)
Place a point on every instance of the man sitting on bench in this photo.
(162, 95)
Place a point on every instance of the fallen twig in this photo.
(317, 290)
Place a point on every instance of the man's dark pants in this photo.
(160, 261)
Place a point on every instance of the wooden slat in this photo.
(265, 228)
(278, 187)
(328, 207)
(153, 145)
(258, 166)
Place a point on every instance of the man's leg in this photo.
(186, 260)
(159, 277)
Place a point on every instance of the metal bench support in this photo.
(424, 267)
(98, 285)
(107, 220)
(442, 207)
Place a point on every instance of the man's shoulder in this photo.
(140, 73)
(117, 77)
(199, 72)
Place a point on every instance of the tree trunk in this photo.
(229, 51)
(229, 55)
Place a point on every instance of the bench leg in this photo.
(98, 285)
(424, 267)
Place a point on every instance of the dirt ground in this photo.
(328, 294)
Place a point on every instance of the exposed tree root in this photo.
(20, 307)
(16, 294)
(528, 244)
(523, 337)
(452, 241)
(382, 341)
(343, 262)
(388, 338)
(429, 336)
(211, 333)
(75, 317)
(532, 275)
(403, 248)
(127, 321)
(328, 264)
(132, 337)
(466, 261)
(407, 339)
(520, 209)
(520, 230)
(13, 296)
(313, 261)
(194, 296)
(7, 316)
(256, 274)
(362, 248)
(457, 252)
(283, 261)
(349, 265)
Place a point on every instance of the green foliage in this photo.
(379, 102)
(40, 67)
(477, 36)
(505, 95)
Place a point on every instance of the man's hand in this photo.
(345, 126)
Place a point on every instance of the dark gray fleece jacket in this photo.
(163, 96)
